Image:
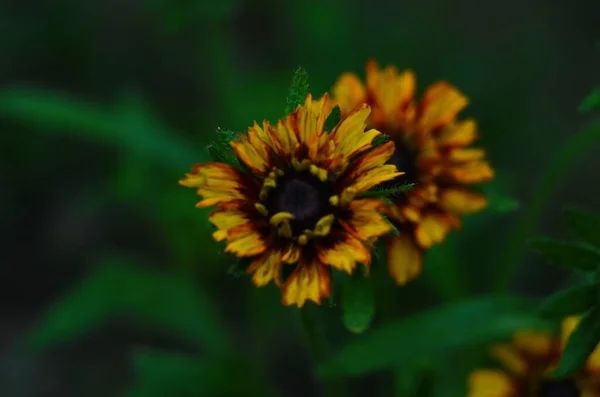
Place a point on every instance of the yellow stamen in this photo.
(348, 195)
(261, 208)
(300, 165)
(302, 239)
(334, 200)
(323, 226)
(318, 172)
(280, 217)
(285, 229)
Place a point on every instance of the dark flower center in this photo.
(558, 388)
(302, 195)
(405, 160)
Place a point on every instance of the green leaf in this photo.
(434, 332)
(591, 101)
(117, 288)
(380, 140)
(333, 119)
(388, 192)
(358, 303)
(502, 204)
(568, 254)
(159, 373)
(298, 90)
(574, 300)
(129, 124)
(582, 342)
(585, 224)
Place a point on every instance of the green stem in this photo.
(557, 171)
(320, 349)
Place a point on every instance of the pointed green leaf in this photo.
(388, 192)
(298, 90)
(358, 303)
(160, 373)
(380, 140)
(115, 288)
(574, 300)
(434, 332)
(585, 224)
(591, 101)
(582, 342)
(568, 254)
(333, 119)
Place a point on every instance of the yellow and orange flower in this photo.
(431, 147)
(527, 366)
(298, 208)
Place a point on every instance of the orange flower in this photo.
(527, 366)
(432, 149)
(297, 207)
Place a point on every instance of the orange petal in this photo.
(535, 343)
(432, 229)
(310, 281)
(470, 154)
(440, 105)
(470, 172)
(461, 201)
(350, 136)
(510, 358)
(373, 177)
(225, 220)
(390, 89)
(373, 159)
(344, 253)
(458, 134)
(491, 383)
(405, 258)
(219, 183)
(348, 92)
(365, 220)
(266, 268)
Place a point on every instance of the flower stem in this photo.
(556, 172)
(320, 349)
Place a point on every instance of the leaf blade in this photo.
(585, 224)
(568, 254)
(358, 303)
(575, 300)
(581, 343)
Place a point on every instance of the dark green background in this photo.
(86, 172)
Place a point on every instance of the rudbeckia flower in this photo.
(431, 147)
(527, 365)
(295, 206)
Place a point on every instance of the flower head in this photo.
(431, 147)
(295, 208)
(527, 366)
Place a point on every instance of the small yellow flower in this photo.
(297, 209)
(431, 147)
(527, 366)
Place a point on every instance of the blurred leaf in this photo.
(333, 119)
(568, 254)
(177, 14)
(591, 101)
(298, 90)
(118, 288)
(388, 192)
(574, 300)
(443, 270)
(585, 224)
(435, 332)
(159, 373)
(380, 140)
(582, 342)
(358, 303)
(129, 124)
(502, 204)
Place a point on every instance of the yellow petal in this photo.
(458, 134)
(249, 245)
(470, 154)
(310, 281)
(440, 105)
(350, 136)
(373, 159)
(344, 253)
(365, 220)
(311, 118)
(405, 258)
(286, 136)
(225, 220)
(432, 229)
(491, 383)
(510, 358)
(253, 152)
(461, 201)
(219, 183)
(535, 343)
(266, 268)
(349, 92)
(373, 177)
